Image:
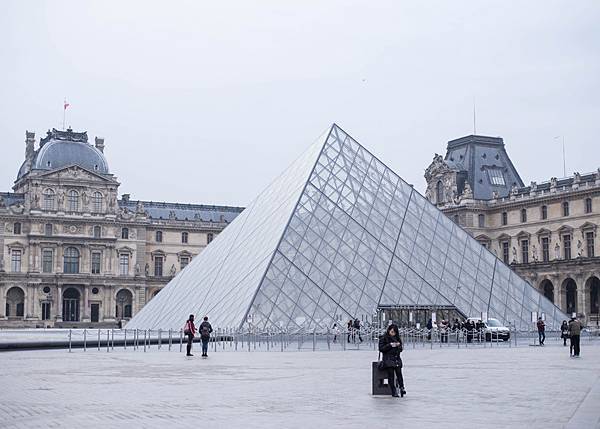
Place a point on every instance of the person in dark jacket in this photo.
(390, 346)
(541, 327)
(575, 327)
(356, 326)
(189, 330)
(564, 332)
(205, 329)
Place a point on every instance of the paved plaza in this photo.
(527, 386)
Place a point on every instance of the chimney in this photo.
(99, 143)
(29, 145)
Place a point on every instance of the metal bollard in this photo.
(145, 335)
(170, 338)
(69, 341)
(159, 339)
(112, 339)
(98, 339)
(84, 340)
(180, 341)
(107, 341)
(314, 340)
(125, 340)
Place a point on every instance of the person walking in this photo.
(390, 346)
(541, 327)
(205, 330)
(356, 327)
(336, 332)
(350, 333)
(575, 333)
(564, 332)
(189, 330)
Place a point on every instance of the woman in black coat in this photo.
(390, 346)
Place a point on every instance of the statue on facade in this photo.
(173, 270)
(137, 269)
(139, 208)
(1, 201)
(534, 253)
(557, 251)
(495, 195)
(576, 177)
(579, 249)
(467, 191)
(514, 254)
(1, 265)
(61, 198)
(147, 269)
(514, 190)
(553, 182)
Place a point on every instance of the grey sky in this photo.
(207, 102)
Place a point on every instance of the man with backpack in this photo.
(205, 330)
(541, 327)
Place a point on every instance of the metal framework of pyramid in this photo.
(334, 237)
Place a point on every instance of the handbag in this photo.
(381, 366)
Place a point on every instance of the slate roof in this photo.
(479, 157)
(179, 211)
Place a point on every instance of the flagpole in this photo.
(64, 112)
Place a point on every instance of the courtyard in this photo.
(525, 386)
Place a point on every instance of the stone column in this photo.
(2, 301)
(59, 260)
(86, 303)
(109, 313)
(59, 307)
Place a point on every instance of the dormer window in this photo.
(496, 177)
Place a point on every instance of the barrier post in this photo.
(170, 338)
(98, 339)
(69, 341)
(84, 340)
(107, 341)
(125, 339)
(112, 339)
(159, 338)
(180, 341)
(145, 335)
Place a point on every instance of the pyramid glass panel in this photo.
(337, 236)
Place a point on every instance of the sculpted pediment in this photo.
(76, 173)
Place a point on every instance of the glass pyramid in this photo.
(337, 235)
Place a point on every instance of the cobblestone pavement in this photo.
(531, 387)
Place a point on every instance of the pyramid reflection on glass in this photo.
(337, 235)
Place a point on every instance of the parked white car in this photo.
(493, 329)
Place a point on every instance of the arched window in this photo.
(439, 192)
(565, 208)
(73, 201)
(571, 294)
(71, 298)
(97, 202)
(159, 236)
(124, 304)
(17, 228)
(547, 288)
(125, 233)
(184, 237)
(15, 302)
(97, 231)
(49, 199)
(71, 260)
(523, 215)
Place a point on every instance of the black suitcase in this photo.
(380, 380)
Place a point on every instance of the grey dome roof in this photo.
(60, 149)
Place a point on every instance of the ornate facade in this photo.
(72, 253)
(547, 232)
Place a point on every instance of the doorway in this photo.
(71, 305)
(95, 310)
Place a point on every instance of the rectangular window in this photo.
(525, 251)
(481, 220)
(48, 229)
(124, 264)
(125, 233)
(565, 207)
(589, 238)
(545, 249)
(184, 261)
(209, 238)
(524, 215)
(96, 258)
(504, 218)
(567, 246)
(17, 228)
(45, 311)
(496, 177)
(544, 212)
(158, 266)
(184, 237)
(15, 261)
(588, 205)
(47, 260)
(505, 252)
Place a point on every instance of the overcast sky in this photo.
(206, 102)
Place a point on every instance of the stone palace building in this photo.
(72, 253)
(547, 232)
